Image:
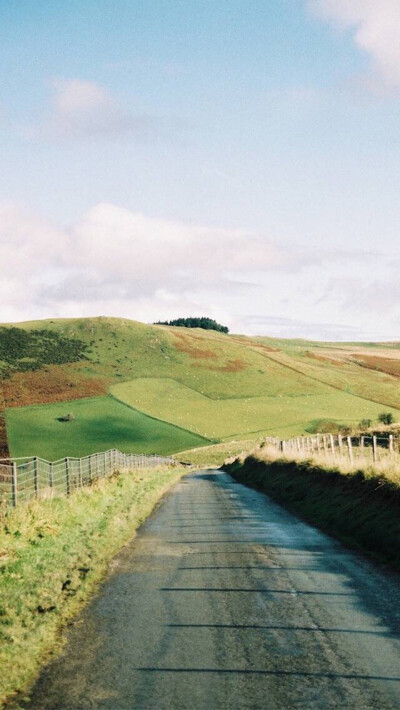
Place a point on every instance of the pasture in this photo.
(274, 414)
(99, 424)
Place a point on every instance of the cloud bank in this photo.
(376, 28)
(116, 262)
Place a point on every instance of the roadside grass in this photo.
(275, 412)
(357, 504)
(99, 424)
(53, 554)
(215, 455)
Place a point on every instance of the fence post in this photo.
(35, 476)
(14, 485)
(80, 473)
(340, 444)
(374, 449)
(332, 445)
(90, 468)
(391, 448)
(362, 445)
(67, 476)
(350, 447)
(51, 475)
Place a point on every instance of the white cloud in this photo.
(116, 262)
(376, 28)
(84, 109)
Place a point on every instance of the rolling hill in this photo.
(162, 389)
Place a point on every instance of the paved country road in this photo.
(225, 600)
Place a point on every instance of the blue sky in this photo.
(233, 159)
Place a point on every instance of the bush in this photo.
(365, 424)
(386, 418)
(67, 417)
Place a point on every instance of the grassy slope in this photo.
(216, 385)
(99, 424)
(53, 554)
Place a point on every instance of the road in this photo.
(225, 600)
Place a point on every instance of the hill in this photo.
(208, 385)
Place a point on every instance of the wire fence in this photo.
(30, 478)
(368, 449)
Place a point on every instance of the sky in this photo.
(237, 159)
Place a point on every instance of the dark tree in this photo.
(205, 323)
(386, 418)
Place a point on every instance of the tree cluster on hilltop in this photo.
(205, 323)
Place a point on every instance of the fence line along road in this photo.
(30, 478)
(369, 448)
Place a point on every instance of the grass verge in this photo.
(215, 455)
(359, 507)
(52, 555)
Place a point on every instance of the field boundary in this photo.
(367, 448)
(33, 478)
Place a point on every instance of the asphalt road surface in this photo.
(225, 600)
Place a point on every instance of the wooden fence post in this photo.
(14, 485)
(36, 476)
(67, 477)
(51, 481)
(80, 473)
(374, 449)
(350, 447)
(332, 445)
(391, 447)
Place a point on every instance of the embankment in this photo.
(53, 553)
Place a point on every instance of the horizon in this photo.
(232, 333)
(234, 161)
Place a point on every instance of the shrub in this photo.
(386, 418)
(67, 417)
(365, 424)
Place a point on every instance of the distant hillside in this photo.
(205, 383)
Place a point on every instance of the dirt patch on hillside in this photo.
(54, 383)
(236, 365)
(324, 358)
(185, 345)
(255, 346)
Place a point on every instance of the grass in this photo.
(360, 506)
(100, 424)
(215, 455)
(276, 413)
(215, 385)
(53, 554)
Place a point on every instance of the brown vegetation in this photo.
(185, 345)
(391, 366)
(324, 358)
(54, 383)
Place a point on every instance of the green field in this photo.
(274, 415)
(215, 385)
(100, 424)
